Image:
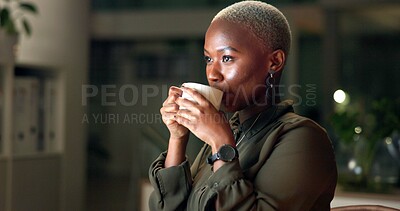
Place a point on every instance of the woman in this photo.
(268, 158)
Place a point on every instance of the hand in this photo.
(203, 120)
(169, 111)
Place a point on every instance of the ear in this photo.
(277, 60)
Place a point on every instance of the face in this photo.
(236, 63)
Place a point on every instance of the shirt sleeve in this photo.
(171, 185)
(226, 189)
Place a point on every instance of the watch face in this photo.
(227, 153)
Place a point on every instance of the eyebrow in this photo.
(227, 48)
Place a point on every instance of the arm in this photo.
(295, 170)
(171, 185)
(169, 174)
(205, 122)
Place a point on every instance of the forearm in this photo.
(224, 139)
(226, 189)
(176, 153)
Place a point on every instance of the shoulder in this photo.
(300, 133)
(291, 121)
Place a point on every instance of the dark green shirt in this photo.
(286, 162)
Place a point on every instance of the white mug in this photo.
(210, 93)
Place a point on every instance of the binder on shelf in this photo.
(1, 112)
(26, 109)
(3, 72)
(50, 130)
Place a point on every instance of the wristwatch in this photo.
(226, 153)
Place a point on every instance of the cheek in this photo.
(232, 74)
(237, 76)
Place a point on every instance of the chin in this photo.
(231, 104)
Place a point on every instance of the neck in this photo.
(257, 107)
(250, 111)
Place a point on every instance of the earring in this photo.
(270, 81)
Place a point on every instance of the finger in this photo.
(173, 90)
(173, 94)
(167, 116)
(184, 122)
(168, 112)
(170, 99)
(187, 114)
(169, 122)
(187, 104)
(172, 107)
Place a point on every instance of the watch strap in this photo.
(212, 158)
(217, 156)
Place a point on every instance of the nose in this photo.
(214, 73)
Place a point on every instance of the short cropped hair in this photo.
(264, 20)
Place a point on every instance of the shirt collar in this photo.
(266, 116)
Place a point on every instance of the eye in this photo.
(207, 59)
(227, 58)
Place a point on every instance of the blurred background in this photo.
(111, 63)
